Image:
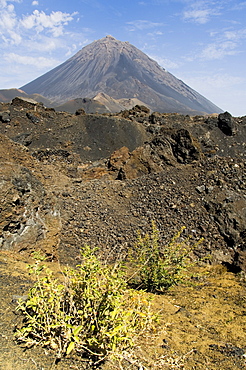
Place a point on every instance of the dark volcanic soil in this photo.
(97, 179)
(69, 180)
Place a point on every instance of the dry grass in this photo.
(202, 326)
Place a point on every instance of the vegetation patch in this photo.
(201, 325)
(91, 312)
(156, 267)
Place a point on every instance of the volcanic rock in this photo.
(226, 123)
(30, 216)
(5, 117)
(97, 179)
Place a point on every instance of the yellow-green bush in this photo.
(91, 311)
(156, 267)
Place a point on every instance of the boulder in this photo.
(25, 102)
(226, 124)
(5, 116)
(184, 147)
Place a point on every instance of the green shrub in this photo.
(91, 312)
(155, 267)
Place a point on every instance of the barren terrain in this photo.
(74, 179)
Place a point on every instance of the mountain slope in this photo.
(6, 95)
(119, 70)
(101, 103)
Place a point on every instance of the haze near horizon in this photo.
(200, 42)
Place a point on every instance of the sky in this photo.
(203, 43)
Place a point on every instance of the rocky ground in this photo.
(71, 179)
(74, 179)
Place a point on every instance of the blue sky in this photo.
(202, 42)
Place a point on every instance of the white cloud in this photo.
(235, 35)
(32, 44)
(3, 3)
(38, 62)
(199, 16)
(200, 12)
(72, 49)
(16, 39)
(53, 22)
(219, 50)
(13, 28)
(165, 63)
(155, 33)
(9, 24)
(239, 6)
(226, 43)
(142, 25)
(44, 43)
(8, 17)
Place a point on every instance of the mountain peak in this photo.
(110, 37)
(121, 71)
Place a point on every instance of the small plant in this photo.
(156, 268)
(91, 312)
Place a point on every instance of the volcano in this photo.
(121, 71)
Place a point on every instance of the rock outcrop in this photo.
(30, 215)
(67, 180)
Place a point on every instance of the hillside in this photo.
(121, 71)
(73, 179)
(175, 169)
(6, 95)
